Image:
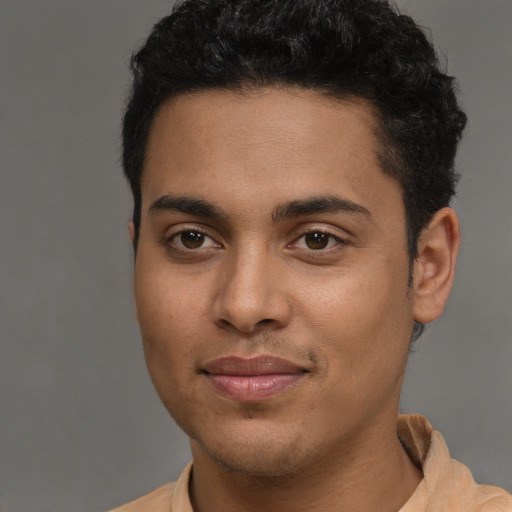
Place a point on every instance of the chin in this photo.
(258, 461)
(254, 453)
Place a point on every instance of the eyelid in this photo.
(331, 232)
(178, 229)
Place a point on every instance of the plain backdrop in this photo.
(81, 428)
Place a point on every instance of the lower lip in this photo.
(253, 388)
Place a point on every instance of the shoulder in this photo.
(448, 485)
(169, 497)
(479, 498)
(158, 500)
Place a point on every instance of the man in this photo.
(291, 164)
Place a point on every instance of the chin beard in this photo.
(261, 461)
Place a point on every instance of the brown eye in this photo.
(316, 241)
(192, 239)
(189, 240)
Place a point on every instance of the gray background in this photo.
(81, 428)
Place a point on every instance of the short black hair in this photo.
(341, 48)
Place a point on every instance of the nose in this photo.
(251, 294)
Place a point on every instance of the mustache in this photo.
(261, 344)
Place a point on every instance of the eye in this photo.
(317, 241)
(190, 239)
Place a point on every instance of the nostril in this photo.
(224, 323)
(246, 328)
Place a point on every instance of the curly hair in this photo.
(341, 48)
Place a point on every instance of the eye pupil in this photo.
(317, 240)
(192, 239)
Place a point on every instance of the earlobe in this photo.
(434, 267)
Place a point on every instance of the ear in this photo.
(434, 267)
(131, 231)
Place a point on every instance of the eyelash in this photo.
(321, 250)
(170, 240)
(196, 230)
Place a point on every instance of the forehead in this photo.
(265, 116)
(286, 141)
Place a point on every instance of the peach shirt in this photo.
(447, 485)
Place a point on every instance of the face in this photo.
(271, 278)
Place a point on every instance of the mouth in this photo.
(252, 380)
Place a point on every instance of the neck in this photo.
(373, 474)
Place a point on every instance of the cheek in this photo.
(168, 302)
(364, 319)
(167, 321)
(365, 347)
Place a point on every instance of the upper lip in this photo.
(260, 365)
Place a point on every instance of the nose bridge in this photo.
(250, 292)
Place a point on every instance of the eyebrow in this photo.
(317, 204)
(289, 210)
(189, 205)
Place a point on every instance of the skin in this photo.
(250, 282)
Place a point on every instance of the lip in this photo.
(252, 380)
